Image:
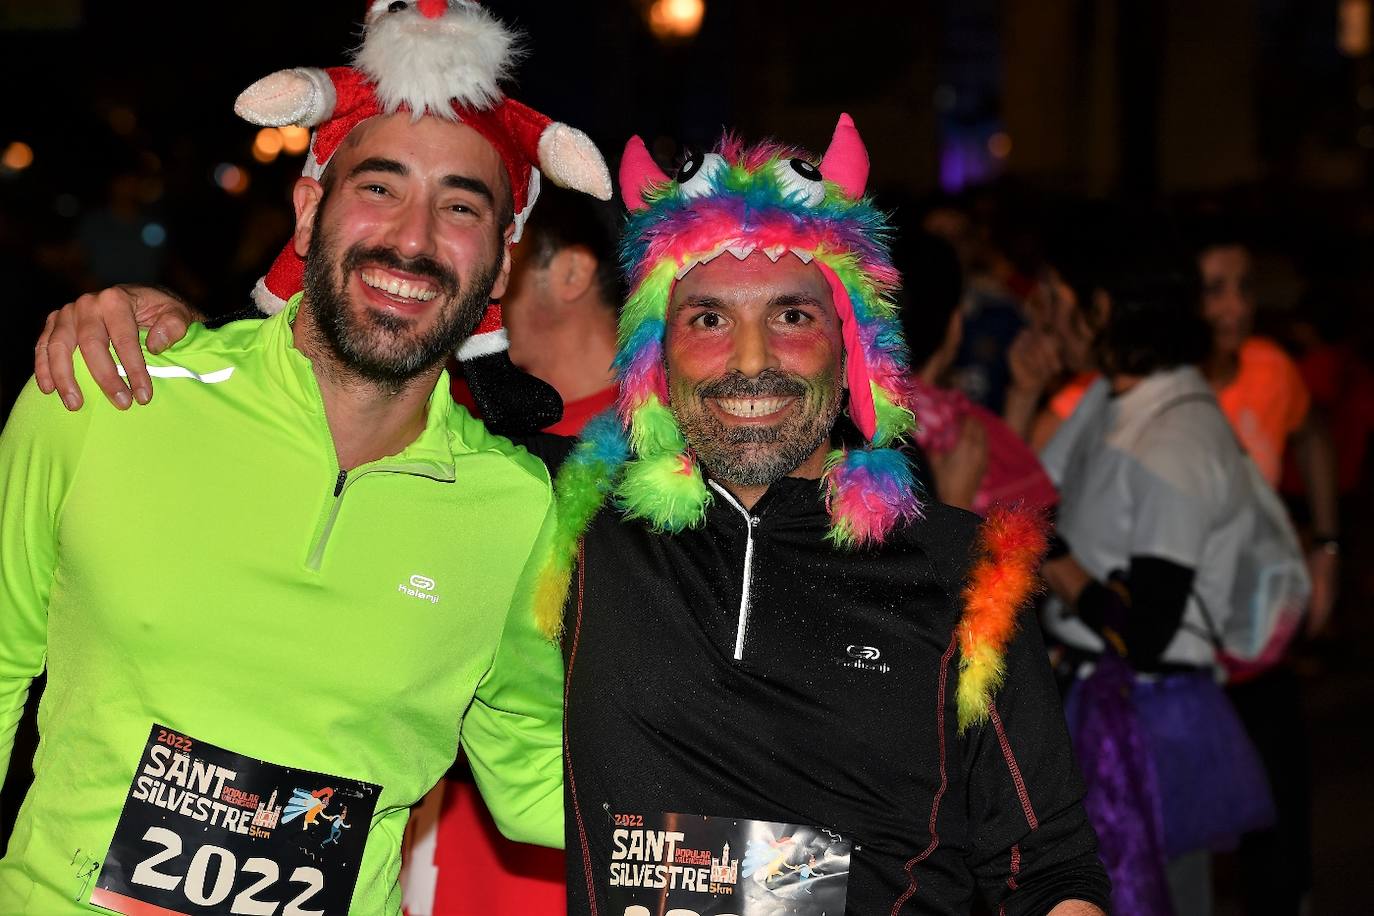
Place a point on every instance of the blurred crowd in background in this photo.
(1023, 148)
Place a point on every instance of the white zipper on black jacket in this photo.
(751, 522)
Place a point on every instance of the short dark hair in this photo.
(1213, 229)
(561, 219)
(932, 288)
(1151, 279)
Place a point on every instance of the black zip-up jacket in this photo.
(748, 669)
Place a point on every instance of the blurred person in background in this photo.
(1341, 384)
(975, 458)
(1154, 512)
(1052, 361)
(1264, 396)
(993, 292)
(1267, 401)
(560, 309)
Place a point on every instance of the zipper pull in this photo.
(339, 484)
(755, 521)
(606, 806)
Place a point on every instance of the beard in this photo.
(382, 348)
(757, 456)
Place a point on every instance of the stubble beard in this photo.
(757, 456)
(383, 349)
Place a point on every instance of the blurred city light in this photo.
(267, 144)
(18, 156)
(231, 178)
(295, 140)
(999, 145)
(1352, 32)
(676, 19)
(154, 235)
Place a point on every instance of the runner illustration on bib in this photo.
(683, 864)
(202, 831)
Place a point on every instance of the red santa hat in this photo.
(443, 58)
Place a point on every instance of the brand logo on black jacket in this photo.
(865, 658)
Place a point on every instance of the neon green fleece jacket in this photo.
(200, 563)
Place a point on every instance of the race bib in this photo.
(206, 830)
(687, 865)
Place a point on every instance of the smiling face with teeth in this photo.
(754, 359)
(405, 244)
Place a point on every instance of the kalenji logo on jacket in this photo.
(864, 658)
(420, 587)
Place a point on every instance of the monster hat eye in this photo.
(697, 171)
(799, 178)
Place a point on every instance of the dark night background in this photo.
(1265, 107)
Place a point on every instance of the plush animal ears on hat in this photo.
(444, 58)
(744, 223)
(845, 163)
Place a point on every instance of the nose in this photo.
(753, 351)
(432, 9)
(411, 232)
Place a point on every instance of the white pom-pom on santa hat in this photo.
(432, 53)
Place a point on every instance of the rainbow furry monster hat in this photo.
(732, 202)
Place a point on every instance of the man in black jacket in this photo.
(791, 687)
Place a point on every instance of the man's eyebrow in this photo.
(474, 185)
(702, 301)
(378, 164)
(795, 299)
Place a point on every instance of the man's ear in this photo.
(306, 197)
(498, 288)
(572, 271)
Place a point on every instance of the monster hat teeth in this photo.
(637, 456)
(741, 252)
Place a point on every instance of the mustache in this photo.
(770, 383)
(445, 279)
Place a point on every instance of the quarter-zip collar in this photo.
(430, 455)
(789, 497)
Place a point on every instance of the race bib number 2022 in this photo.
(206, 830)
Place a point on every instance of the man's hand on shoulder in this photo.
(95, 321)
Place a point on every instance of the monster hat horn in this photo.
(735, 201)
